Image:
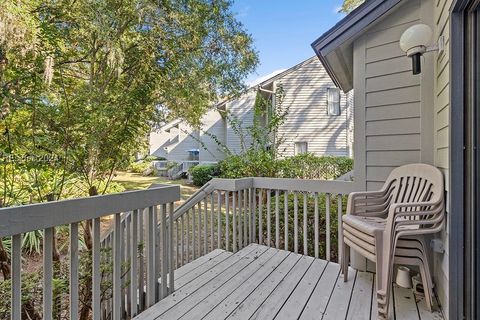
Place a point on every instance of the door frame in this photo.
(464, 227)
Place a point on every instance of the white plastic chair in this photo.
(388, 225)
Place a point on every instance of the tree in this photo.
(95, 72)
(349, 5)
(83, 81)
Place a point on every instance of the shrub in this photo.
(153, 158)
(253, 163)
(203, 173)
(309, 166)
(261, 163)
(139, 166)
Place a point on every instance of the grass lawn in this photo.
(135, 181)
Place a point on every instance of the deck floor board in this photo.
(265, 283)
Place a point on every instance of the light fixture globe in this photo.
(416, 39)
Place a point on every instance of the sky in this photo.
(284, 29)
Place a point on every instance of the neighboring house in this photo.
(319, 120)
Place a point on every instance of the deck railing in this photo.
(148, 239)
(296, 215)
(137, 250)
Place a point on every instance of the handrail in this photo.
(137, 243)
(199, 195)
(21, 219)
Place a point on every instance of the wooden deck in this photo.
(264, 283)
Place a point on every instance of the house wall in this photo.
(441, 130)
(159, 139)
(184, 138)
(241, 110)
(402, 118)
(212, 136)
(306, 98)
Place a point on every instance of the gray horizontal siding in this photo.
(392, 98)
(306, 98)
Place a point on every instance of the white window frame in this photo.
(333, 101)
(298, 150)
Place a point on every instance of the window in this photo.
(301, 147)
(333, 101)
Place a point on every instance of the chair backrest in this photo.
(416, 182)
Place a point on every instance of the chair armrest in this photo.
(354, 197)
(427, 214)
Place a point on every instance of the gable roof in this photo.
(269, 80)
(335, 47)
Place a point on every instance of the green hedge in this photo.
(259, 163)
(203, 173)
(309, 166)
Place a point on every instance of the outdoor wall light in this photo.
(415, 41)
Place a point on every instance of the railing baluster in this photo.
(269, 239)
(134, 263)
(340, 232)
(96, 272)
(117, 264)
(285, 223)
(141, 265)
(194, 233)
(305, 231)
(295, 221)
(73, 271)
(16, 264)
(170, 246)
(327, 227)
(188, 236)
(227, 220)
(205, 226)
(182, 245)
(199, 229)
(240, 220)
(245, 218)
(128, 262)
(250, 212)
(212, 224)
(219, 220)
(277, 219)
(254, 218)
(122, 261)
(234, 221)
(164, 250)
(47, 273)
(260, 216)
(150, 255)
(176, 242)
(317, 226)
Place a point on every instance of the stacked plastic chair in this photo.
(388, 226)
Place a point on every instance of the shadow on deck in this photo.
(265, 283)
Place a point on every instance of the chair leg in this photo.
(427, 289)
(384, 263)
(345, 260)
